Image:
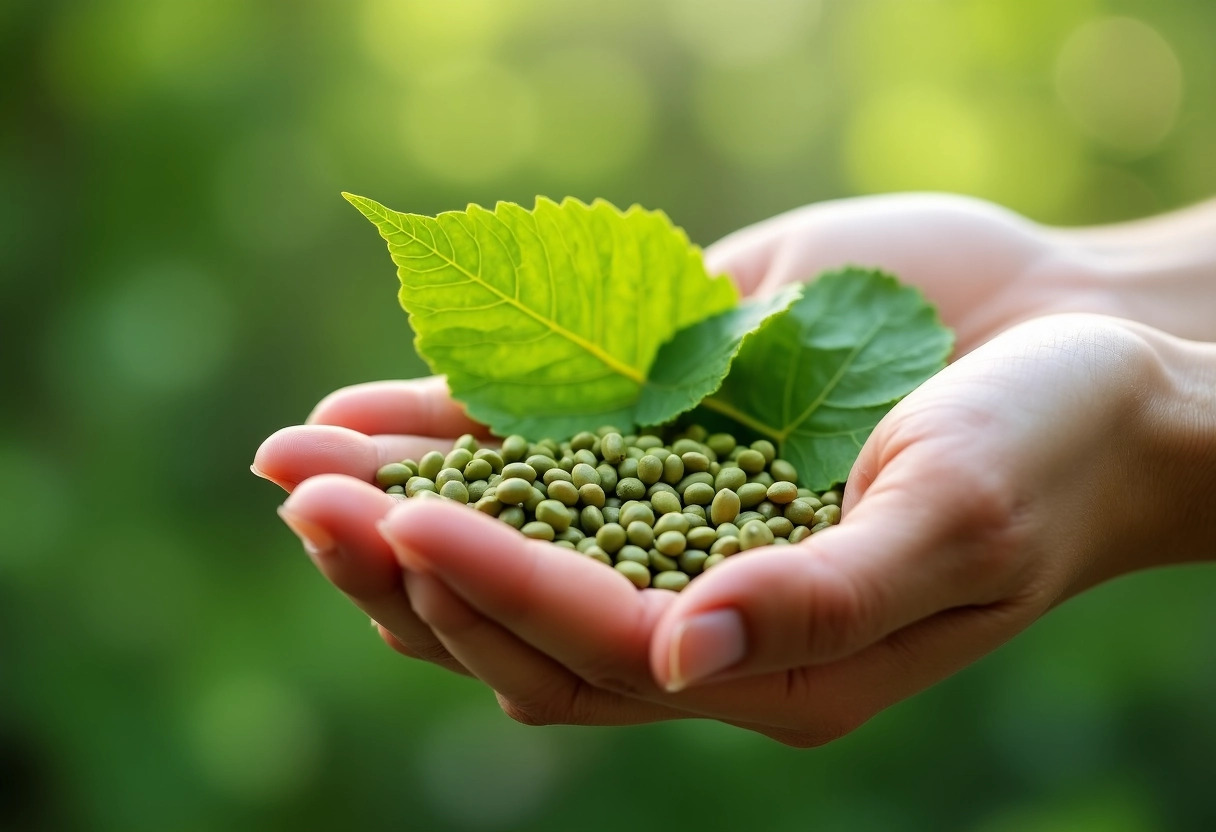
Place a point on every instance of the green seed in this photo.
(818, 527)
(674, 581)
(755, 533)
(541, 463)
(683, 446)
(581, 441)
(538, 530)
(631, 488)
(721, 444)
(564, 544)
(647, 442)
(608, 477)
(650, 469)
(633, 553)
(665, 502)
(628, 468)
(661, 488)
(633, 511)
(467, 442)
(746, 517)
(766, 449)
(693, 561)
(799, 534)
(555, 474)
(454, 490)
(640, 534)
(582, 474)
(673, 469)
(417, 484)
(596, 553)
(725, 507)
(491, 456)
(393, 474)
(583, 457)
(699, 494)
(427, 495)
(671, 523)
(695, 516)
(782, 493)
(694, 461)
(612, 448)
(512, 516)
(712, 561)
(659, 562)
(637, 574)
(514, 448)
(731, 477)
(767, 509)
(830, 498)
(520, 470)
(430, 465)
(703, 477)
(514, 490)
(477, 490)
(449, 475)
(783, 471)
(751, 461)
(553, 513)
(779, 526)
(611, 513)
(800, 512)
(534, 499)
(702, 537)
(830, 513)
(725, 546)
(489, 505)
(591, 495)
(458, 458)
(591, 519)
(564, 491)
(395, 489)
(670, 543)
(610, 537)
(696, 433)
(751, 494)
(477, 469)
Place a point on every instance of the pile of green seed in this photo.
(659, 513)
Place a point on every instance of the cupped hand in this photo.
(992, 492)
(985, 267)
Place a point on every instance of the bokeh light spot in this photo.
(469, 122)
(403, 36)
(511, 770)
(255, 739)
(767, 116)
(917, 138)
(1122, 82)
(594, 115)
(726, 32)
(168, 329)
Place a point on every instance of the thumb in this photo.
(896, 558)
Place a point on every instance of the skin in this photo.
(1058, 398)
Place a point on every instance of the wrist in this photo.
(1178, 486)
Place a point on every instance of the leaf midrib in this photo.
(625, 370)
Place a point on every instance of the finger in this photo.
(532, 688)
(292, 455)
(421, 406)
(899, 556)
(335, 517)
(589, 618)
(747, 254)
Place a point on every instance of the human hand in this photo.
(988, 495)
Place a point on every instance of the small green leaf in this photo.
(693, 363)
(546, 322)
(817, 379)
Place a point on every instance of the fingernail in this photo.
(283, 484)
(704, 645)
(316, 540)
(405, 555)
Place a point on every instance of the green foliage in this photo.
(546, 321)
(819, 378)
(695, 361)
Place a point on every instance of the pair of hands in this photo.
(1000, 487)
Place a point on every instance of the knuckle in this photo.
(533, 712)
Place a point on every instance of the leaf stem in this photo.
(729, 410)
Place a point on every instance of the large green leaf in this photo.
(693, 363)
(546, 322)
(817, 379)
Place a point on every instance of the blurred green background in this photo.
(180, 278)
